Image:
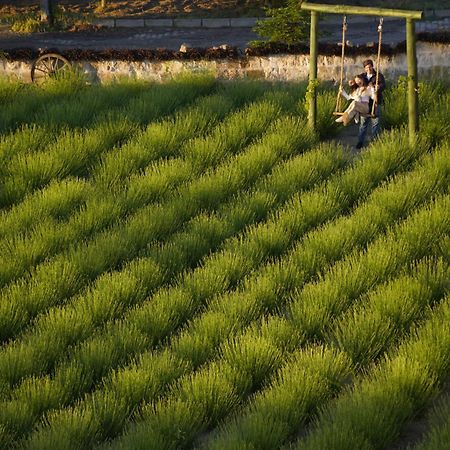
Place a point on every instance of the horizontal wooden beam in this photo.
(362, 10)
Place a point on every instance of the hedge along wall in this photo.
(433, 62)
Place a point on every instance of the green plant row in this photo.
(215, 396)
(256, 362)
(11, 90)
(163, 139)
(47, 286)
(62, 103)
(374, 412)
(72, 154)
(434, 124)
(70, 103)
(438, 433)
(37, 134)
(313, 313)
(203, 234)
(94, 104)
(216, 325)
(395, 102)
(27, 139)
(160, 139)
(289, 138)
(385, 316)
(307, 379)
(372, 323)
(30, 98)
(57, 202)
(75, 152)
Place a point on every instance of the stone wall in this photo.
(433, 62)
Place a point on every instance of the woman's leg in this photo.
(360, 108)
(346, 118)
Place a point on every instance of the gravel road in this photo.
(171, 38)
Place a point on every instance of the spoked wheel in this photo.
(50, 65)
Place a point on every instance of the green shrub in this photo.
(32, 23)
(27, 24)
(288, 24)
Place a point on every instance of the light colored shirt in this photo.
(362, 94)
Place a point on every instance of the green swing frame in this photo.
(410, 16)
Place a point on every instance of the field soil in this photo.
(195, 8)
(145, 8)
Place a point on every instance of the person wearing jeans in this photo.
(371, 76)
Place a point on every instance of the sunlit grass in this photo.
(187, 265)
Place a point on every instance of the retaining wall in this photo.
(433, 62)
(433, 21)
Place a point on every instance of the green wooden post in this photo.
(312, 85)
(413, 98)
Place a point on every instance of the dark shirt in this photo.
(381, 84)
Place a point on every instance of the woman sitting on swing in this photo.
(362, 96)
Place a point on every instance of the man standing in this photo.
(378, 83)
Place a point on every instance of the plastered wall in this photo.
(433, 62)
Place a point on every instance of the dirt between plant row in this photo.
(223, 52)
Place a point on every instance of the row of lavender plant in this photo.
(192, 350)
(47, 286)
(203, 234)
(75, 151)
(71, 103)
(380, 405)
(159, 142)
(159, 139)
(207, 401)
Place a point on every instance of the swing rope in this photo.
(380, 34)
(341, 80)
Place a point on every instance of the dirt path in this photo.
(172, 38)
(348, 137)
(124, 38)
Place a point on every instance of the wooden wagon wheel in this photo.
(47, 66)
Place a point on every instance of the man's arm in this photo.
(381, 82)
